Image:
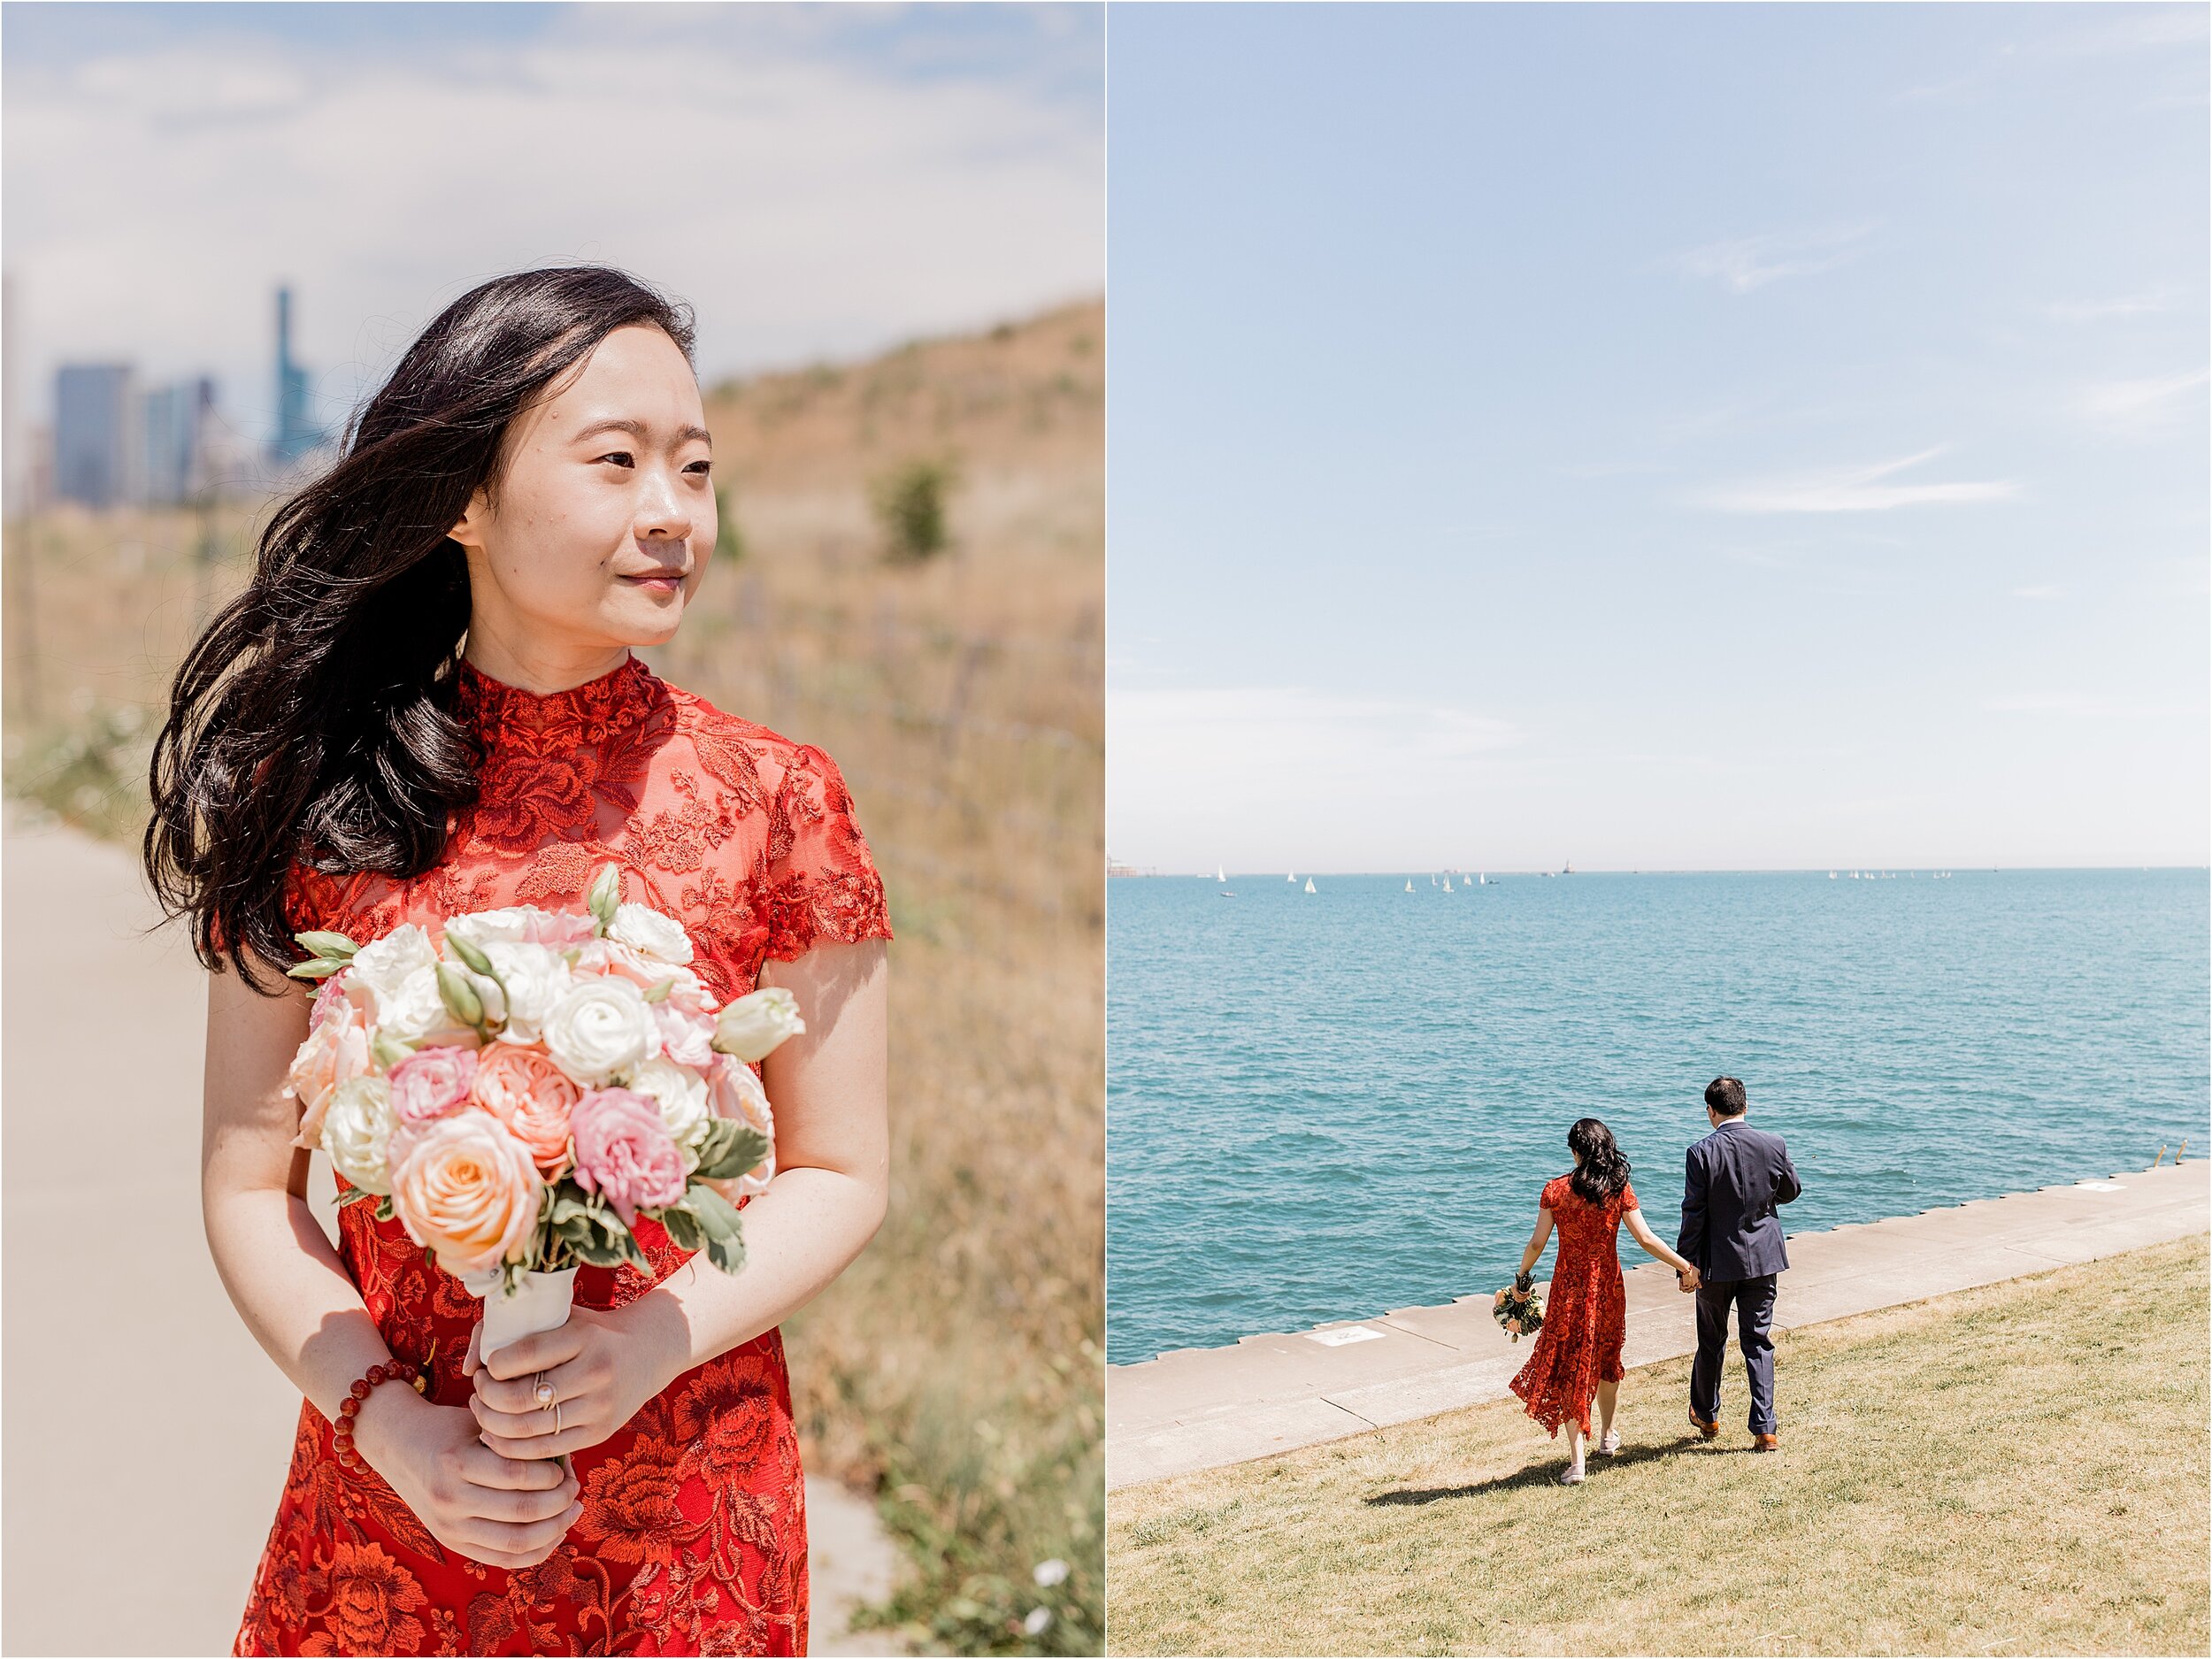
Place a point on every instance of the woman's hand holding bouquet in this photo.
(1516, 1310)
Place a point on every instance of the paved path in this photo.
(1203, 1408)
(146, 1434)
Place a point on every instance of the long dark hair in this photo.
(1603, 1170)
(314, 718)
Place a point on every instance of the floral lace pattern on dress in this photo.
(693, 1538)
(1586, 1316)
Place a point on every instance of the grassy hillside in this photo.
(956, 1369)
(2019, 1468)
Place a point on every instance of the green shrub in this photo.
(910, 502)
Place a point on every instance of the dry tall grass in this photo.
(2019, 1468)
(956, 1368)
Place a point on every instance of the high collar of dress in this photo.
(614, 701)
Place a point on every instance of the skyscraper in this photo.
(173, 437)
(92, 438)
(296, 432)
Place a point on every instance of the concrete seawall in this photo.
(1203, 1408)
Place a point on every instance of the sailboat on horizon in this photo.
(1221, 873)
(1309, 884)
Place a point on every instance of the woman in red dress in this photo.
(425, 702)
(1579, 1350)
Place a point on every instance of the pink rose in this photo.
(431, 1082)
(524, 1089)
(331, 995)
(468, 1192)
(624, 1153)
(336, 1051)
(687, 1037)
(559, 929)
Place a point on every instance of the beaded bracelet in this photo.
(350, 1408)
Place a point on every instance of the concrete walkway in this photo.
(146, 1434)
(1203, 1408)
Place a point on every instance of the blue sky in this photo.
(819, 181)
(1658, 436)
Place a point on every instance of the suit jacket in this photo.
(1735, 1179)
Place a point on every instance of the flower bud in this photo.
(752, 1027)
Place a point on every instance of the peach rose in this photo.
(734, 1092)
(526, 1091)
(469, 1193)
(336, 1051)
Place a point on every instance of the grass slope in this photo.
(2016, 1469)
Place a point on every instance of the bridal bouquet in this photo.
(1516, 1310)
(519, 1091)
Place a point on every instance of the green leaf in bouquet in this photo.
(684, 1230)
(566, 1206)
(336, 947)
(719, 1221)
(388, 1051)
(354, 1195)
(384, 1210)
(471, 956)
(320, 968)
(659, 993)
(729, 1149)
(459, 995)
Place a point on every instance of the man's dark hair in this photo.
(1724, 1096)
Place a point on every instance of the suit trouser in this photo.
(1753, 1301)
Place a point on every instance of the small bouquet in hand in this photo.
(519, 1090)
(1516, 1309)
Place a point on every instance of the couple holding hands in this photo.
(1729, 1252)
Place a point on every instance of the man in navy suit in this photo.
(1736, 1177)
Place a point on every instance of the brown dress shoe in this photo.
(1710, 1431)
(1765, 1443)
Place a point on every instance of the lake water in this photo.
(1327, 1105)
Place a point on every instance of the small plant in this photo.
(910, 504)
(91, 772)
(729, 541)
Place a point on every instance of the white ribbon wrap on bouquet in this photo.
(540, 1303)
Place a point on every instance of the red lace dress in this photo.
(693, 1536)
(1586, 1317)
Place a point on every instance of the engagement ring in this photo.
(544, 1391)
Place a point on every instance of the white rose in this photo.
(414, 1009)
(535, 979)
(682, 1095)
(641, 927)
(383, 966)
(599, 1027)
(510, 927)
(753, 1025)
(358, 1132)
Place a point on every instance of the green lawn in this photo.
(2021, 1469)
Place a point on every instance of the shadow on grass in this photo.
(1546, 1473)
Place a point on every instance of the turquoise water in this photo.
(1325, 1106)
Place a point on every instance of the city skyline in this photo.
(1668, 437)
(380, 160)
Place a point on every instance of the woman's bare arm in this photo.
(829, 1089)
(1536, 1240)
(1640, 1231)
(284, 1278)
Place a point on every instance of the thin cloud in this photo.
(1750, 262)
(2138, 408)
(2163, 297)
(2046, 590)
(809, 201)
(1851, 489)
(2079, 706)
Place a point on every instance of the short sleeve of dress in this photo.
(1628, 1197)
(823, 886)
(1554, 1194)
